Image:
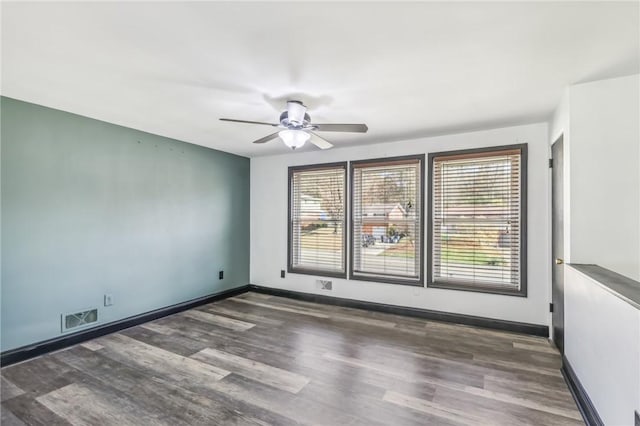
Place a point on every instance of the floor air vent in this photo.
(77, 320)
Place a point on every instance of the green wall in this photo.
(90, 208)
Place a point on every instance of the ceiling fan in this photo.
(297, 128)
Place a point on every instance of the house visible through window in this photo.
(478, 220)
(317, 208)
(387, 220)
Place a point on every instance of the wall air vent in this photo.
(76, 320)
(324, 284)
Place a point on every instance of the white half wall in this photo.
(602, 343)
(269, 227)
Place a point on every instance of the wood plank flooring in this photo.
(263, 360)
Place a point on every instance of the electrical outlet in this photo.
(220, 275)
(282, 273)
(108, 299)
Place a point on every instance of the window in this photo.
(387, 220)
(477, 220)
(317, 207)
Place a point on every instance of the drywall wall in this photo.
(269, 227)
(600, 123)
(602, 343)
(560, 126)
(90, 208)
(604, 180)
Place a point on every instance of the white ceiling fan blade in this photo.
(320, 142)
(357, 128)
(233, 120)
(267, 138)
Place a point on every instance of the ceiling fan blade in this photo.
(267, 138)
(320, 142)
(249, 122)
(357, 128)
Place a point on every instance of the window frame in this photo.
(380, 278)
(307, 271)
(523, 291)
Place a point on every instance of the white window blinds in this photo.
(478, 220)
(387, 220)
(317, 219)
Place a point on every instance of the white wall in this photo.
(605, 200)
(601, 125)
(602, 343)
(560, 126)
(560, 121)
(269, 228)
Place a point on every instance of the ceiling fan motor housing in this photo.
(291, 124)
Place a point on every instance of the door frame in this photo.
(559, 139)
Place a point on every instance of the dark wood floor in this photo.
(257, 359)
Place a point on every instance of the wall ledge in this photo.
(616, 284)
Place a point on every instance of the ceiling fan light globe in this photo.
(294, 138)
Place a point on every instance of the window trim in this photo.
(306, 271)
(523, 291)
(379, 278)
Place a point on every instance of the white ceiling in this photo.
(405, 69)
